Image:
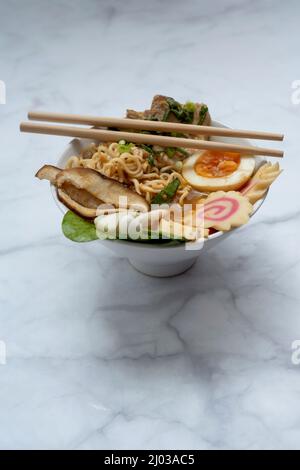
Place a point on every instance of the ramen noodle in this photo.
(147, 173)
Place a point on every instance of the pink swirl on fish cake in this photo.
(220, 209)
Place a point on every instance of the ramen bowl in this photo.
(160, 259)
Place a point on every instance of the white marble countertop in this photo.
(98, 355)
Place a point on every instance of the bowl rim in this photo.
(166, 245)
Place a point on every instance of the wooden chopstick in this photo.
(140, 124)
(115, 136)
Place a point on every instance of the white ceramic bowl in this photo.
(153, 259)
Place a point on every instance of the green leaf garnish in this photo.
(151, 160)
(148, 148)
(167, 194)
(190, 106)
(151, 152)
(202, 114)
(175, 108)
(166, 115)
(125, 147)
(173, 104)
(184, 113)
(188, 112)
(78, 229)
(183, 151)
(170, 151)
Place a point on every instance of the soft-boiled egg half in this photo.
(211, 170)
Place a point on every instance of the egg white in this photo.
(231, 182)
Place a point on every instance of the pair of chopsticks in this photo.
(144, 138)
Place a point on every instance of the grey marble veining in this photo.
(98, 355)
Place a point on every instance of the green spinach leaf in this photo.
(78, 229)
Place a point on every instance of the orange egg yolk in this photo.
(214, 164)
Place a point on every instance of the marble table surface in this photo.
(99, 356)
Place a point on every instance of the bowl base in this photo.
(162, 270)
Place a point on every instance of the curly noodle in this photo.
(134, 167)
